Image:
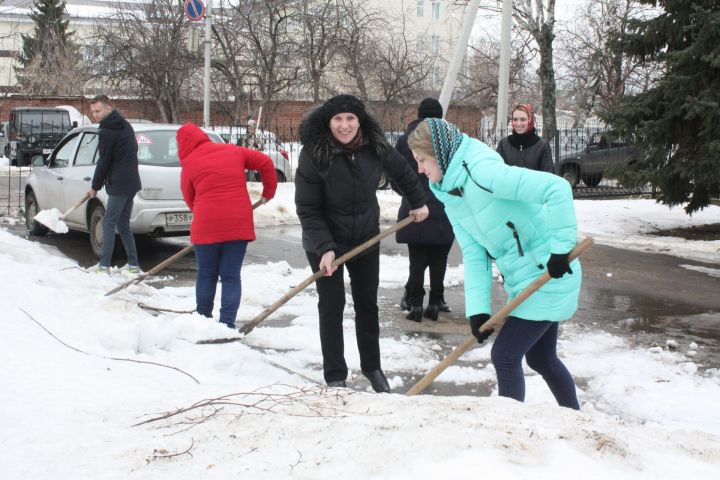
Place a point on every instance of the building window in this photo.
(436, 10)
(435, 44)
(436, 75)
(420, 42)
(420, 8)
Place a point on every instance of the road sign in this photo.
(194, 10)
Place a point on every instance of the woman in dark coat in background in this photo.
(524, 148)
(343, 157)
(428, 242)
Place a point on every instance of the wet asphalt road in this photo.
(648, 298)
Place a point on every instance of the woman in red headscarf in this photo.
(524, 148)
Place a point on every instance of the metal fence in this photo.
(578, 154)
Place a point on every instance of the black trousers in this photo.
(422, 257)
(364, 280)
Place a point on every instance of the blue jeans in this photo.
(117, 218)
(223, 259)
(537, 342)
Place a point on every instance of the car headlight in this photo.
(32, 139)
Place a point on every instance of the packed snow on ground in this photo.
(82, 371)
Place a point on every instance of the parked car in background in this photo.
(605, 151)
(264, 141)
(33, 131)
(65, 176)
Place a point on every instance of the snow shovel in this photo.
(494, 321)
(250, 326)
(162, 264)
(52, 218)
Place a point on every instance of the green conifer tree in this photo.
(677, 122)
(48, 53)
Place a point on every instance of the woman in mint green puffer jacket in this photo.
(522, 219)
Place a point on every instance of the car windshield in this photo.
(45, 122)
(159, 147)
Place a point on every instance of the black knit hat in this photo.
(430, 108)
(343, 104)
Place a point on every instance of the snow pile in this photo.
(69, 410)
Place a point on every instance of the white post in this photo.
(206, 89)
(460, 48)
(504, 73)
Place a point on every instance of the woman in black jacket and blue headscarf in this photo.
(341, 163)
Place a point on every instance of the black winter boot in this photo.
(403, 302)
(415, 313)
(337, 384)
(378, 381)
(431, 311)
(444, 307)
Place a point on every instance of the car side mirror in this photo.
(38, 161)
(74, 124)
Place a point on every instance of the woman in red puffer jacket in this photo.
(214, 187)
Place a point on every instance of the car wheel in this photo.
(592, 180)
(20, 160)
(32, 209)
(96, 229)
(280, 176)
(570, 173)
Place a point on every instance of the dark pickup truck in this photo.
(604, 152)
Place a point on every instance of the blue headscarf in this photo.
(446, 139)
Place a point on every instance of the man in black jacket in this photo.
(117, 171)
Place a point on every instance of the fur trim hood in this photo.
(317, 139)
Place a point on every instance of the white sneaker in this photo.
(99, 269)
(132, 269)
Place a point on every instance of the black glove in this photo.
(558, 265)
(476, 322)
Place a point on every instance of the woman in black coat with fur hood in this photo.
(343, 157)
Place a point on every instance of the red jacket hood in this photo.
(189, 137)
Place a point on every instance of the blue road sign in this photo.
(194, 10)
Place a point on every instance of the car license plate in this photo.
(47, 151)
(183, 218)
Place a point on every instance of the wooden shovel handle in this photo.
(248, 327)
(162, 264)
(74, 207)
(494, 320)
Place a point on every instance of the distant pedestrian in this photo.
(524, 221)
(213, 184)
(523, 147)
(117, 171)
(428, 242)
(343, 156)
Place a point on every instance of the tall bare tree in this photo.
(233, 69)
(361, 24)
(478, 80)
(537, 17)
(267, 31)
(400, 70)
(321, 22)
(144, 53)
(596, 75)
